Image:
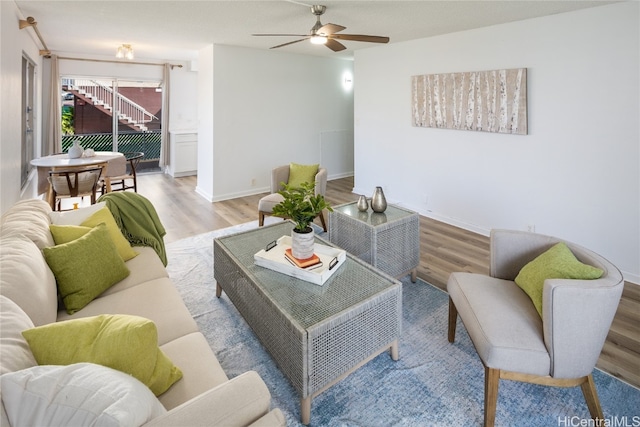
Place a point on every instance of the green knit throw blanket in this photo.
(138, 220)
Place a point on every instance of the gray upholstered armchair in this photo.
(514, 342)
(279, 175)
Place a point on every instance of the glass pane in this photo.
(28, 97)
(139, 108)
(87, 113)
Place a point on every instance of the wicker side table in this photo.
(389, 241)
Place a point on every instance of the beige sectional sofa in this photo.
(203, 396)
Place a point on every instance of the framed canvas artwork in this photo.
(487, 101)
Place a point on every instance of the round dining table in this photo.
(62, 161)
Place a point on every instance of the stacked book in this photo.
(308, 264)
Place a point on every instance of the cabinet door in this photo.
(184, 154)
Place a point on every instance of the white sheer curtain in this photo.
(52, 141)
(52, 123)
(164, 145)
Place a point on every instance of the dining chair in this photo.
(119, 180)
(541, 315)
(73, 183)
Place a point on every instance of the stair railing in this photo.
(129, 111)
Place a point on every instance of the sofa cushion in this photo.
(79, 394)
(76, 216)
(157, 300)
(144, 267)
(28, 218)
(200, 373)
(267, 203)
(85, 267)
(15, 353)
(501, 321)
(27, 280)
(238, 402)
(558, 262)
(299, 174)
(123, 342)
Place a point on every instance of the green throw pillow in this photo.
(556, 263)
(85, 267)
(104, 215)
(302, 173)
(67, 233)
(123, 342)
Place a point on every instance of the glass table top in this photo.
(392, 213)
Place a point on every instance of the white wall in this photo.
(204, 185)
(183, 104)
(576, 175)
(14, 43)
(270, 108)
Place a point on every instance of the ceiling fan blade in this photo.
(287, 44)
(360, 38)
(330, 29)
(334, 45)
(280, 35)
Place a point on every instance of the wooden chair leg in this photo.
(491, 382)
(591, 396)
(324, 224)
(260, 219)
(453, 317)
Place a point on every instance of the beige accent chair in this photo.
(561, 348)
(279, 175)
(73, 183)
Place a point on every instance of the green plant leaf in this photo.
(300, 204)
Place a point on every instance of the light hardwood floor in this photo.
(443, 249)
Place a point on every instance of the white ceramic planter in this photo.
(302, 244)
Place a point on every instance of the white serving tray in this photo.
(274, 259)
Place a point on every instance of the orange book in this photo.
(302, 263)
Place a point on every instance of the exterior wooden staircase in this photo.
(97, 94)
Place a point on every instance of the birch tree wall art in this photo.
(488, 101)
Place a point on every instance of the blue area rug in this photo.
(434, 383)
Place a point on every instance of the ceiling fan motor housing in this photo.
(318, 9)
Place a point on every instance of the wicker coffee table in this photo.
(317, 335)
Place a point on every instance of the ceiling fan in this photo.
(326, 34)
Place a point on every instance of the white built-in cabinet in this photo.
(183, 155)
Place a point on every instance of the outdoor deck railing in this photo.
(146, 142)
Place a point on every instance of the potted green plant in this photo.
(301, 205)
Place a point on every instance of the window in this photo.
(27, 117)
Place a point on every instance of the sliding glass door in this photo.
(112, 115)
(139, 106)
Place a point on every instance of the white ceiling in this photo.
(176, 30)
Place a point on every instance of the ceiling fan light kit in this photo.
(319, 40)
(326, 34)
